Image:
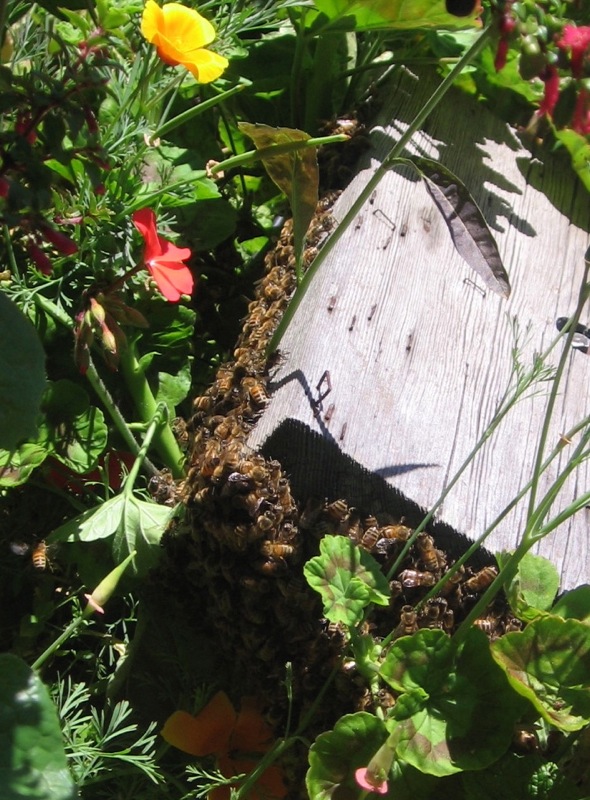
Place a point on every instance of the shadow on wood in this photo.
(318, 468)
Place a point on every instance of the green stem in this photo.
(373, 182)
(276, 150)
(191, 113)
(63, 637)
(96, 382)
(159, 419)
(571, 329)
(147, 409)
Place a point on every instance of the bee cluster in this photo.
(238, 567)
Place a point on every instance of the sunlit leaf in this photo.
(534, 586)
(32, 757)
(404, 14)
(574, 604)
(457, 711)
(347, 578)
(134, 525)
(578, 147)
(22, 375)
(172, 389)
(469, 230)
(335, 755)
(549, 664)
(295, 173)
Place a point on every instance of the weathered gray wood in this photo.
(418, 350)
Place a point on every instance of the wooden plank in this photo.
(418, 350)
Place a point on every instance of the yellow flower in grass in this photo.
(180, 35)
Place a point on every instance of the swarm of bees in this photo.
(242, 554)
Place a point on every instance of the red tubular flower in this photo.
(551, 95)
(581, 117)
(163, 259)
(578, 39)
(235, 739)
(62, 243)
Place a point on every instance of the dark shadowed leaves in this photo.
(22, 375)
(32, 759)
(295, 173)
(469, 231)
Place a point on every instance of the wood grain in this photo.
(419, 351)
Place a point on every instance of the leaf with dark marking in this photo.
(296, 173)
(469, 231)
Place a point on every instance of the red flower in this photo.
(163, 259)
(579, 41)
(232, 738)
(581, 117)
(551, 95)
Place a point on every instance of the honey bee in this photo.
(399, 532)
(432, 558)
(163, 488)
(338, 510)
(412, 578)
(202, 403)
(369, 539)
(39, 555)
(488, 625)
(272, 567)
(431, 616)
(38, 551)
(257, 394)
(481, 580)
(276, 550)
(408, 623)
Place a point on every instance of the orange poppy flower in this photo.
(164, 259)
(180, 35)
(235, 739)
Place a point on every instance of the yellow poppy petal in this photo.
(205, 65)
(185, 28)
(151, 20)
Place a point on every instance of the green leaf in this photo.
(134, 525)
(16, 466)
(74, 430)
(335, 755)
(22, 375)
(347, 578)
(172, 389)
(534, 586)
(404, 14)
(296, 174)
(469, 231)
(579, 149)
(516, 777)
(574, 604)
(458, 708)
(32, 759)
(549, 664)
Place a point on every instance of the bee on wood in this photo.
(412, 578)
(481, 580)
(257, 394)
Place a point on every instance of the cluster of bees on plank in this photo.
(238, 563)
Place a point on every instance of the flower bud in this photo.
(62, 243)
(106, 587)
